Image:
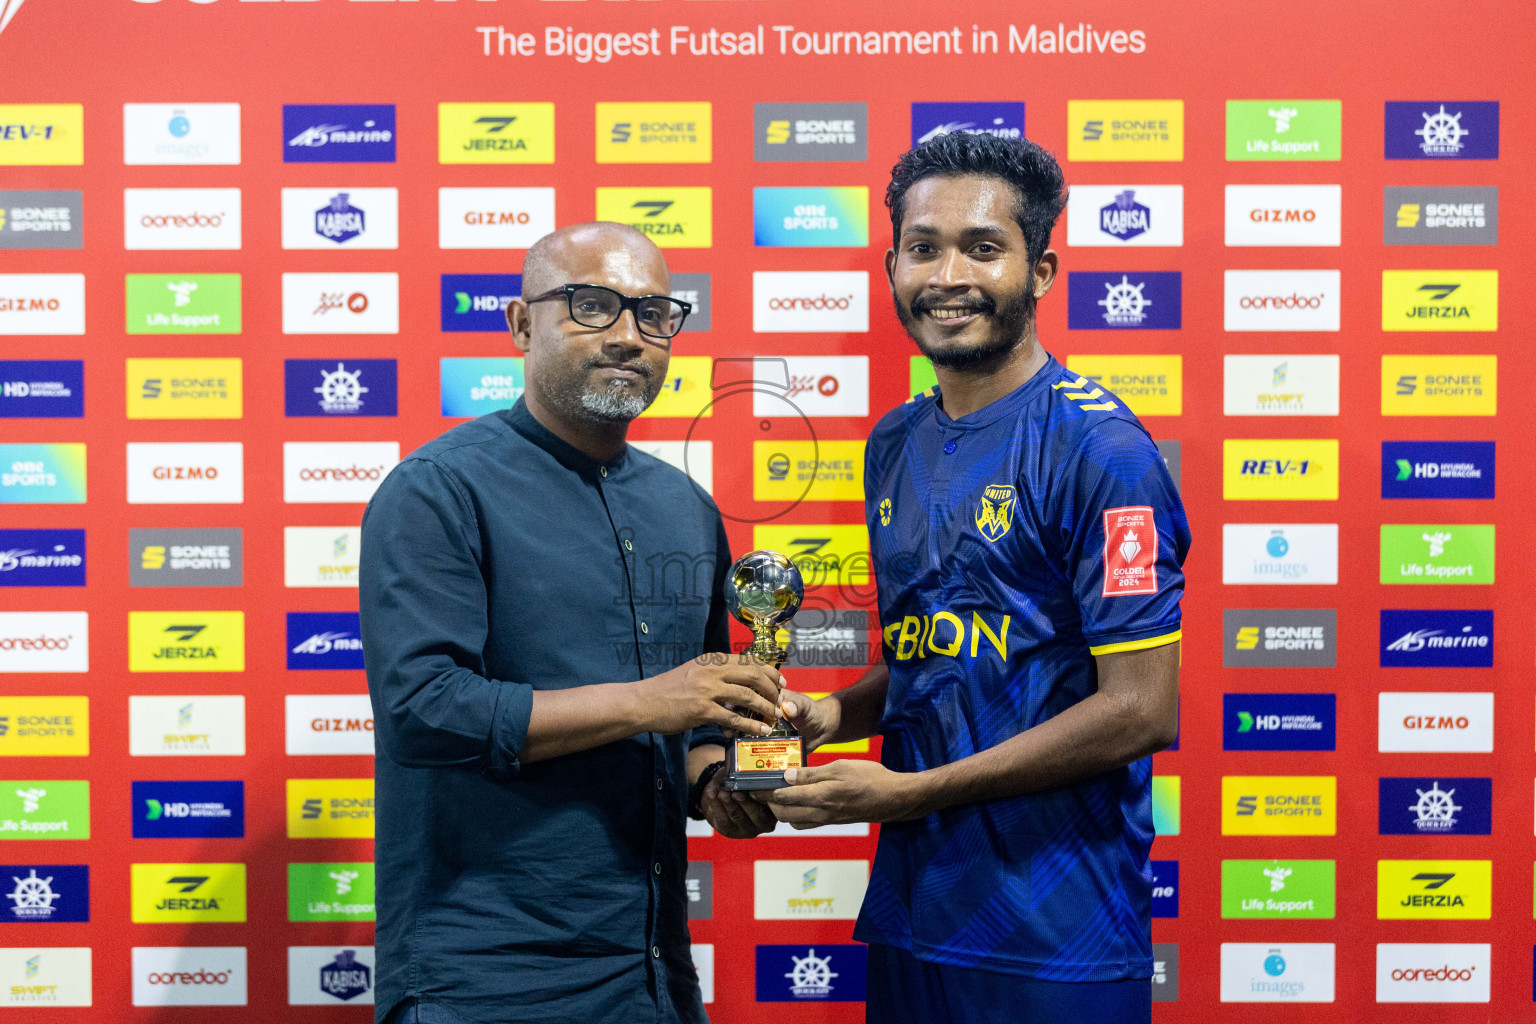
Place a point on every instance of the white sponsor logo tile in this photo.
(181, 133)
(810, 301)
(45, 642)
(1281, 386)
(41, 976)
(332, 471)
(493, 218)
(186, 473)
(1284, 214)
(784, 890)
(1281, 300)
(42, 303)
(341, 218)
(1283, 553)
(1151, 215)
(810, 386)
(189, 976)
(186, 726)
(1460, 723)
(329, 723)
(704, 963)
(341, 303)
(1433, 972)
(696, 458)
(305, 964)
(1278, 972)
(181, 218)
(321, 556)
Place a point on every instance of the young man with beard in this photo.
(542, 726)
(1027, 542)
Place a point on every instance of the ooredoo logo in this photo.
(804, 302)
(181, 218)
(189, 976)
(186, 474)
(1432, 972)
(1281, 300)
(44, 642)
(328, 472)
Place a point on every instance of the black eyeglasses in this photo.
(592, 305)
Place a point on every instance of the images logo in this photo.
(326, 975)
(345, 471)
(1442, 130)
(1281, 385)
(1429, 215)
(1126, 215)
(1420, 722)
(42, 304)
(1439, 385)
(44, 642)
(784, 132)
(930, 120)
(42, 893)
(1151, 300)
(1280, 300)
(341, 303)
(329, 724)
(339, 134)
(477, 302)
(181, 133)
(786, 890)
(493, 218)
(1279, 805)
(1293, 972)
(42, 388)
(321, 556)
(40, 134)
(495, 133)
(189, 976)
(185, 893)
(1274, 470)
(42, 558)
(1437, 469)
(325, 387)
(653, 133)
(331, 892)
(45, 726)
(1433, 972)
(185, 558)
(1284, 129)
(354, 218)
(1284, 215)
(1449, 553)
(792, 974)
(1149, 385)
(827, 216)
(324, 640)
(41, 220)
(330, 808)
(1302, 553)
(1125, 130)
(181, 218)
(1412, 638)
(186, 641)
(809, 302)
(184, 389)
(183, 304)
(1277, 889)
(1435, 807)
(1278, 721)
(1439, 300)
(474, 387)
(673, 218)
(1444, 889)
(175, 726)
(188, 810)
(45, 809)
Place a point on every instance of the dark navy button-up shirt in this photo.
(498, 560)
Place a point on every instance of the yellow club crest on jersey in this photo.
(885, 511)
(994, 517)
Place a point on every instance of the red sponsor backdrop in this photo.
(415, 55)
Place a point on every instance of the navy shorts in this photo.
(902, 989)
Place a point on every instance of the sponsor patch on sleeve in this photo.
(1130, 551)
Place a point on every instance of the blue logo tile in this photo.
(1419, 638)
(930, 120)
(1124, 300)
(42, 388)
(1436, 807)
(1442, 130)
(42, 558)
(1278, 721)
(45, 893)
(189, 810)
(1165, 888)
(362, 133)
(340, 387)
(1437, 469)
(323, 640)
(474, 302)
(824, 973)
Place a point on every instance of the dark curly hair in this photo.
(1028, 167)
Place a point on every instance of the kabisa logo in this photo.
(1152, 300)
(1165, 888)
(1284, 129)
(1279, 805)
(1278, 721)
(1126, 215)
(41, 220)
(346, 977)
(1296, 972)
(653, 133)
(351, 218)
(495, 133)
(1443, 889)
(324, 640)
(46, 893)
(42, 558)
(185, 893)
(1411, 638)
(820, 217)
(337, 134)
(675, 217)
(1439, 300)
(1440, 215)
(42, 388)
(1125, 130)
(1125, 218)
(1279, 638)
(790, 974)
(328, 975)
(1442, 130)
(181, 134)
(343, 387)
(201, 641)
(810, 131)
(474, 387)
(930, 120)
(478, 302)
(1280, 470)
(39, 134)
(1437, 469)
(1435, 806)
(340, 221)
(188, 810)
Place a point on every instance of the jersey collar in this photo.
(1008, 405)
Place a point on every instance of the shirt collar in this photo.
(521, 420)
(1009, 403)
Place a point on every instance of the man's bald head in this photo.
(568, 254)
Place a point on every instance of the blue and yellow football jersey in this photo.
(1010, 547)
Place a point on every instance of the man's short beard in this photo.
(1011, 325)
(611, 402)
(615, 402)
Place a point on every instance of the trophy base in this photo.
(757, 763)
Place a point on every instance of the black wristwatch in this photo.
(696, 791)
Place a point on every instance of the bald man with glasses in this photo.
(547, 711)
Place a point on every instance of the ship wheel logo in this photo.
(812, 975)
(33, 896)
(341, 390)
(1124, 302)
(1435, 809)
(1442, 132)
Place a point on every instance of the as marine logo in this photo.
(994, 514)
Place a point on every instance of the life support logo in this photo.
(1130, 551)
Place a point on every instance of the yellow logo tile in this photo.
(686, 391)
(826, 554)
(1439, 385)
(808, 470)
(42, 134)
(330, 808)
(1125, 130)
(1280, 470)
(1439, 300)
(1279, 805)
(179, 893)
(1149, 385)
(673, 218)
(184, 389)
(1459, 889)
(653, 133)
(495, 133)
(186, 641)
(45, 726)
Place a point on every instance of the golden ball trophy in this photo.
(764, 590)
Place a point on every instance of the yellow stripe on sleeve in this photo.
(1138, 645)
